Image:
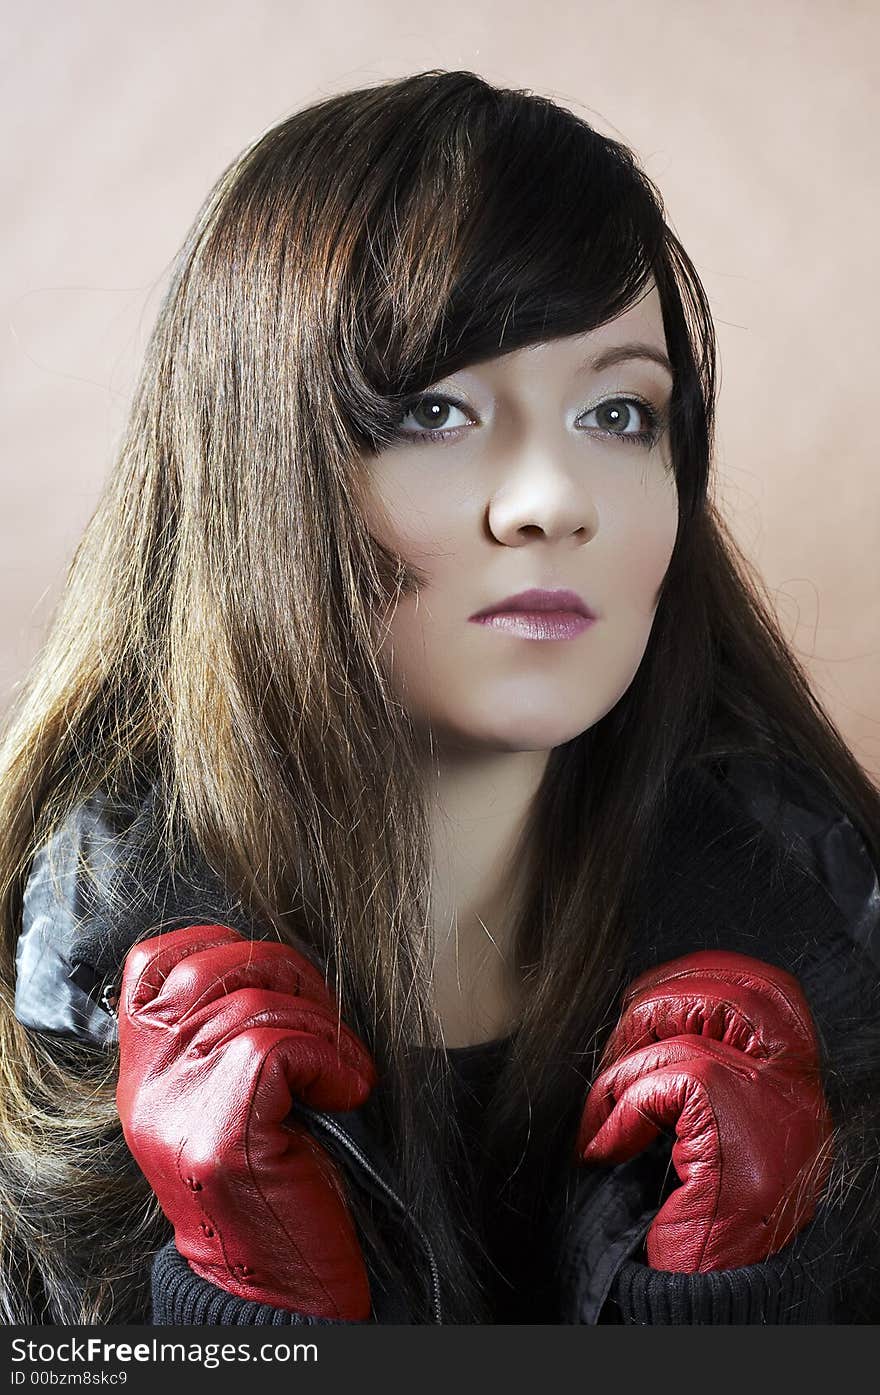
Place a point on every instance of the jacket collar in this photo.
(94, 888)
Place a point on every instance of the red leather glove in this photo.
(722, 1049)
(217, 1034)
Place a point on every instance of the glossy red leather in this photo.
(721, 1049)
(217, 1035)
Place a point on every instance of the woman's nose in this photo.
(542, 495)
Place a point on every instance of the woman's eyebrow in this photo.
(627, 351)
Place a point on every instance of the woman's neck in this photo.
(478, 806)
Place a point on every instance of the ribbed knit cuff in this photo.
(182, 1298)
(794, 1286)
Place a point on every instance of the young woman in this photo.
(371, 926)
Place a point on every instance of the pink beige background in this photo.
(758, 121)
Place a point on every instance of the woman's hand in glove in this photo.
(722, 1049)
(217, 1035)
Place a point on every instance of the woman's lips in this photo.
(539, 613)
(537, 624)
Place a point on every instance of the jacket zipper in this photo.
(339, 1133)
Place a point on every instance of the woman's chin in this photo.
(511, 736)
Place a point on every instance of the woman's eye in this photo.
(431, 414)
(433, 417)
(626, 417)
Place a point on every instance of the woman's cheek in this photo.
(640, 550)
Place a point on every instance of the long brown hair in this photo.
(218, 633)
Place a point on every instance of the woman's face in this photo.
(537, 479)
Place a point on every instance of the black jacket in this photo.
(752, 858)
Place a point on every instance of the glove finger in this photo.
(149, 962)
(761, 1024)
(269, 964)
(647, 1105)
(286, 1065)
(340, 1050)
(610, 1085)
(169, 976)
(223, 1116)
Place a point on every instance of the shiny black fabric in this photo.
(94, 889)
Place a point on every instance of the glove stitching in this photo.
(226, 1267)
